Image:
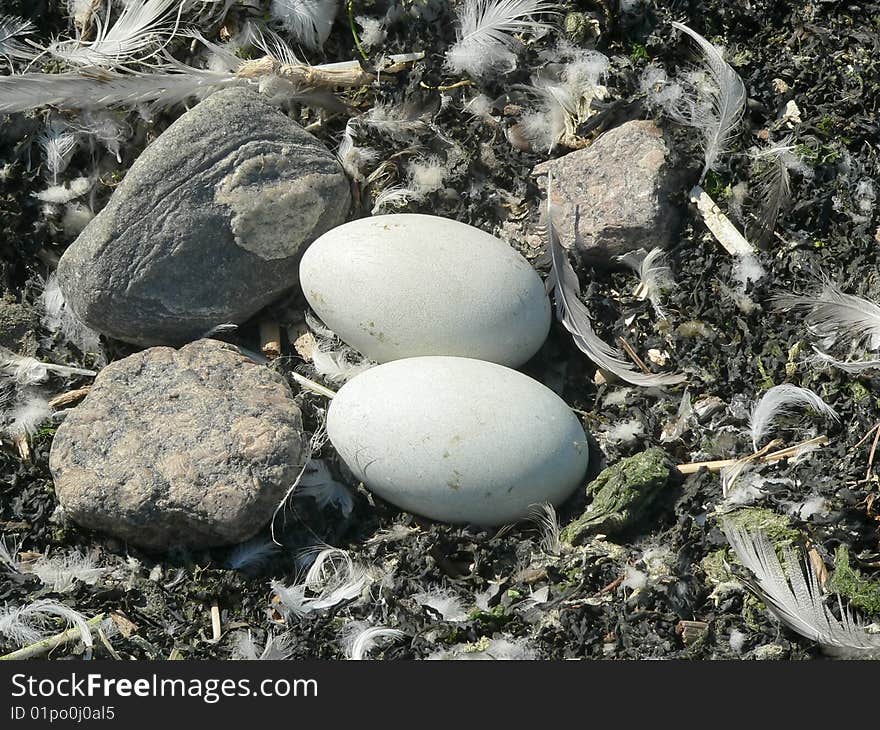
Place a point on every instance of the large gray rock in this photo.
(616, 195)
(192, 447)
(208, 225)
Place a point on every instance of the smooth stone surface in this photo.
(192, 447)
(207, 226)
(406, 285)
(617, 195)
(458, 440)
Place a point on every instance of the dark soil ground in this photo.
(827, 55)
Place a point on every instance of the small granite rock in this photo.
(616, 195)
(207, 226)
(192, 447)
(622, 494)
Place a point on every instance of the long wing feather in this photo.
(715, 108)
(782, 399)
(100, 89)
(793, 595)
(575, 317)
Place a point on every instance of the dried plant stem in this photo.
(270, 339)
(71, 396)
(634, 356)
(866, 436)
(216, 627)
(354, 34)
(44, 646)
(719, 224)
(447, 87)
(871, 457)
(23, 446)
(786, 453)
(343, 74)
(313, 386)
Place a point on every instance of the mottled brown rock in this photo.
(616, 195)
(208, 225)
(192, 447)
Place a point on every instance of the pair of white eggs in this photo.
(445, 428)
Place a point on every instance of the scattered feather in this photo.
(674, 429)
(355, 159)
(59, 143)
(792, 593)
(710, 98)
(62, 573)
(485, 34)
(29, 413)
(747, 269)
(545, 519)
(781, 399)
(9, 554)
(393, 197)
(142, 29)
(624, 432)
(277, 648)
(359, 638)
(318, 483)
(108, 128)
(339, 366)
(654, 273)
(59, 318)
(400, 123)
(28, 624)
(309, 21)
(373, 31)
(634, 579)
(737, 641)
(444, 602)
(59, 194)
(565, 95)
(836, 317)
(11, 31)
(333, 578)
(848, 366)
(729, 476)
(770, 188)
(251, 555)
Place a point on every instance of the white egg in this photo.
(458, 440)
(395, 286)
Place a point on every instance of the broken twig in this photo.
(786, 453)
(719, 225)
